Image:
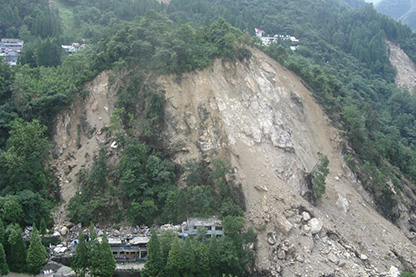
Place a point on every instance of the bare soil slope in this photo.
(406, 70)
(79, 132)
(260, 117)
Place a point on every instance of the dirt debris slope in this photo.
(260, 117)
(79, 132)
(406, 70)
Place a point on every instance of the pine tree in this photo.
(2, 233)
(203, 268)
(94, 252)
(154, 263)
(188, 257)
(80, 258)
(4, 268)
(36, 254)
(214, 257)
(106, 259)
(16, 259)
(43, 227)
(174, 266)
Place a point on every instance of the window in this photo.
(143, 254)
(218, 228)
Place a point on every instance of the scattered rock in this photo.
(333, 258)
(289, 248)
(281, 254)
(259, 188)
(281, 223)
(363, 257)
(271, 239)
(70, 226)
(394, 272)
(306, 216)
(316, 225)
(114, 145)
(342, 204)
(64, 231)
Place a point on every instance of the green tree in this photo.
(36, 254)
(80, 260)
(4, 268)
(203, 266)
(175, 266)
(43, 227)
(233, 224)
(94, 252)
(2, 232)
(16, 258)
(22, 162)
(11, 210)
(103, 263)
(214, 257)
(154, 263)
(188, 257)
(319, 176)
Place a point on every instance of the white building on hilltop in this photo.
(267, 40)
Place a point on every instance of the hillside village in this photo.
(278, 38)
(11, 48)
(128, 245)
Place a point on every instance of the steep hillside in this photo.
(267, 123)
(401, 10)
(261, 118)
(79, 132)
(406, 70)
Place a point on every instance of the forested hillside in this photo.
(403, 11)
(342, 58)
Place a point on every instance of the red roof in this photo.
(259, 30)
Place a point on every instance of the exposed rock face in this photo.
(261, 118)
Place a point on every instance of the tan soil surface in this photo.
(406, 70)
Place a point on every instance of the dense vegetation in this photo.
(93, 257)
(401, 10)
(228, 255)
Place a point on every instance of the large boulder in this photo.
(64, 231)
(316, 225)
(281, 223)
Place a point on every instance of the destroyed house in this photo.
(129, 249)
(212, 226)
